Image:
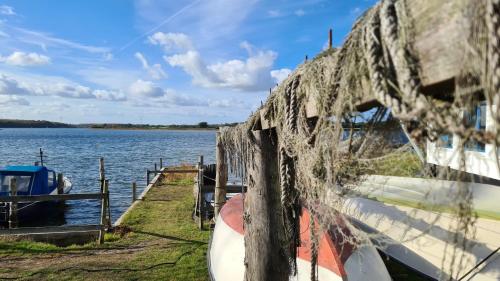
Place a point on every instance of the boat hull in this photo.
(335, 261)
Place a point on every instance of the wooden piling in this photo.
(263, 221)
(13, 205)
(103, 211)
(60, 183)
(330, 38)
(201, 199)
(220, 177)
(134, 190)
(161, 163)
(147, 177)
(156, 168)
(102, 176)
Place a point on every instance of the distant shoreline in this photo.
(151, 129)
(42, 124)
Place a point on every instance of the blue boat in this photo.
(31, 180)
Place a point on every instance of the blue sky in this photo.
(156, 61)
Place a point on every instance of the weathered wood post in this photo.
(263, 222)
(13, 204)
(156, 169)
(134, 192)
(201, 200)
(147, 177)
(220, 176)
(330, 38)
(60, 183)
(161, 163)
(103, 211)
(102, 176)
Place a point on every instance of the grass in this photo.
(157, 241)
(404, 164)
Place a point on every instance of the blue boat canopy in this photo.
(31, 180)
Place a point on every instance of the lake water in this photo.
(127, 156)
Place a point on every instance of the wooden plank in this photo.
(58, 197)
(440, 37)
(50, 229)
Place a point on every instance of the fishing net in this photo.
(373, 121)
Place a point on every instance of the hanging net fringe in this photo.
(323, 160)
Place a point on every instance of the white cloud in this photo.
(7, 10)
(280, 74)
(171, 41)
(299, 12)
(109, 95)
(274, 13)
(50, 87)
(13, 101)
(108, 56)
(141, 89)
(68, 91)
(208, 21)
(25, 59)
(9, 86)
(252, 74)
(356, 11)
(155, 71)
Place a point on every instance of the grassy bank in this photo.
(158, 241)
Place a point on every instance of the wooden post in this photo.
(41, 156)
(201, 203)
(134, 190)
(147, 177)
(161, 163)
(156, 169)
(13, 205)
(108, 206)
(103, 211)
(60, 183)
(102, 176)
(220, 177)
(330, 38)
(263, 221)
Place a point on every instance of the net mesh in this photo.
(328, 160)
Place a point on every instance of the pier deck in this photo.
(157, 240)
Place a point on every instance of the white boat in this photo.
(337, 260)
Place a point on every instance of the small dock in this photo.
(155, 240)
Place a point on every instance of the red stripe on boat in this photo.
(333, 251)
(327, 252)
(232, 213)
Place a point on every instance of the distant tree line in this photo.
(14, 123)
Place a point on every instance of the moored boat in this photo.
(30, 180)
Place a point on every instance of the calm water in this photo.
(127, 156)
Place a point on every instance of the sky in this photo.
(157, 61)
